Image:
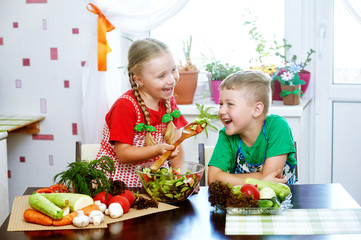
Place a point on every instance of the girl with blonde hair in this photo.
(143, 123)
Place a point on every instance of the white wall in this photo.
(50, 86)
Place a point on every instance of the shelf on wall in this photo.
(20, 124)
(277, 107)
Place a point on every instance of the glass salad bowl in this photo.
(168, 184)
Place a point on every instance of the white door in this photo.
(338, 95)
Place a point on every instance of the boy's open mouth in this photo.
(227, 121)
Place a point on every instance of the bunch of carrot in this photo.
(56, 188)
(33, 216)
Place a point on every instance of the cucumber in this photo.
(43, 205)
(281, 190)
(59, 200)
(276, 203)
(265, 203)
(76, 200)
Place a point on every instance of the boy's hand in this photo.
(275, 176)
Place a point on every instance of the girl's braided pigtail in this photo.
(149, 140)
(169, 132)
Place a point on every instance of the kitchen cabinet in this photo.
(12, 124)
(297, 116)
(4, 188)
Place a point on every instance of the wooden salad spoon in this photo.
(186, 133)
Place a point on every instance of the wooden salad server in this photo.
(186, 133)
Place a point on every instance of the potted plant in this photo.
(265, 50)
(302, 73)
(188, 77)
(217, 73)
(291, 84)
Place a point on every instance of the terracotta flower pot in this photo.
(186, 87)
(290, 99)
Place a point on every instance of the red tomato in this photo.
(175, 172)
(199, 129)
(129, 195)
(122, 201)
(145, 177)
(101, 197)
(250, 190)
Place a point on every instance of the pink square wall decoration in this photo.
(43, 105)
(36, 1)
(43, 137)
(18, 83)
(1, 41)
(75, 30)
(45, 25)
(75, 128)
(15, 25)
(26, 61)
(53, 53)
(22, 159)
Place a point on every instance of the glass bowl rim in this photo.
(138, 170)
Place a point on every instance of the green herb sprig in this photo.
(83, 175)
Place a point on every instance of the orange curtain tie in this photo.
(104, 26)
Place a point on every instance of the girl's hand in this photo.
(275, 176)
(164, 147)
(175, 153)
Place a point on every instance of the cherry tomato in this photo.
(129, 195)
(101, 197)
(250, 190)
(145, 177)
(199, 129)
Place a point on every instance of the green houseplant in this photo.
(292, 73)
(217, 73)
(188, 77)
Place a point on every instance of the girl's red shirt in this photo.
(122, 116)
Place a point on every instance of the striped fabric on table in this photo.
(297, 222)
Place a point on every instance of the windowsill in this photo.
(277, 108)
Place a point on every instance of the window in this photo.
(218, 30)
(347, 38)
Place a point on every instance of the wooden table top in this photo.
(196, 219)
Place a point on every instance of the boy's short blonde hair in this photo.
(257, 83)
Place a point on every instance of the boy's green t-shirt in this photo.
(280, 141)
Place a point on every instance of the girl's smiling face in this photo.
(158, 78)
(235, 111)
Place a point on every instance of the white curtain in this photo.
(132, 20)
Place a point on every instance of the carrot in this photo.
(44, 190)
(68, 219)
(33, 216)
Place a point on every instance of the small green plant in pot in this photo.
(217, 73)
(188, 77)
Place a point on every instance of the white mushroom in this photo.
(114, 210)
(81, 220)
(96, 217)
(101, 205)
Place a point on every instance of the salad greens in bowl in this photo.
(169, 184)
